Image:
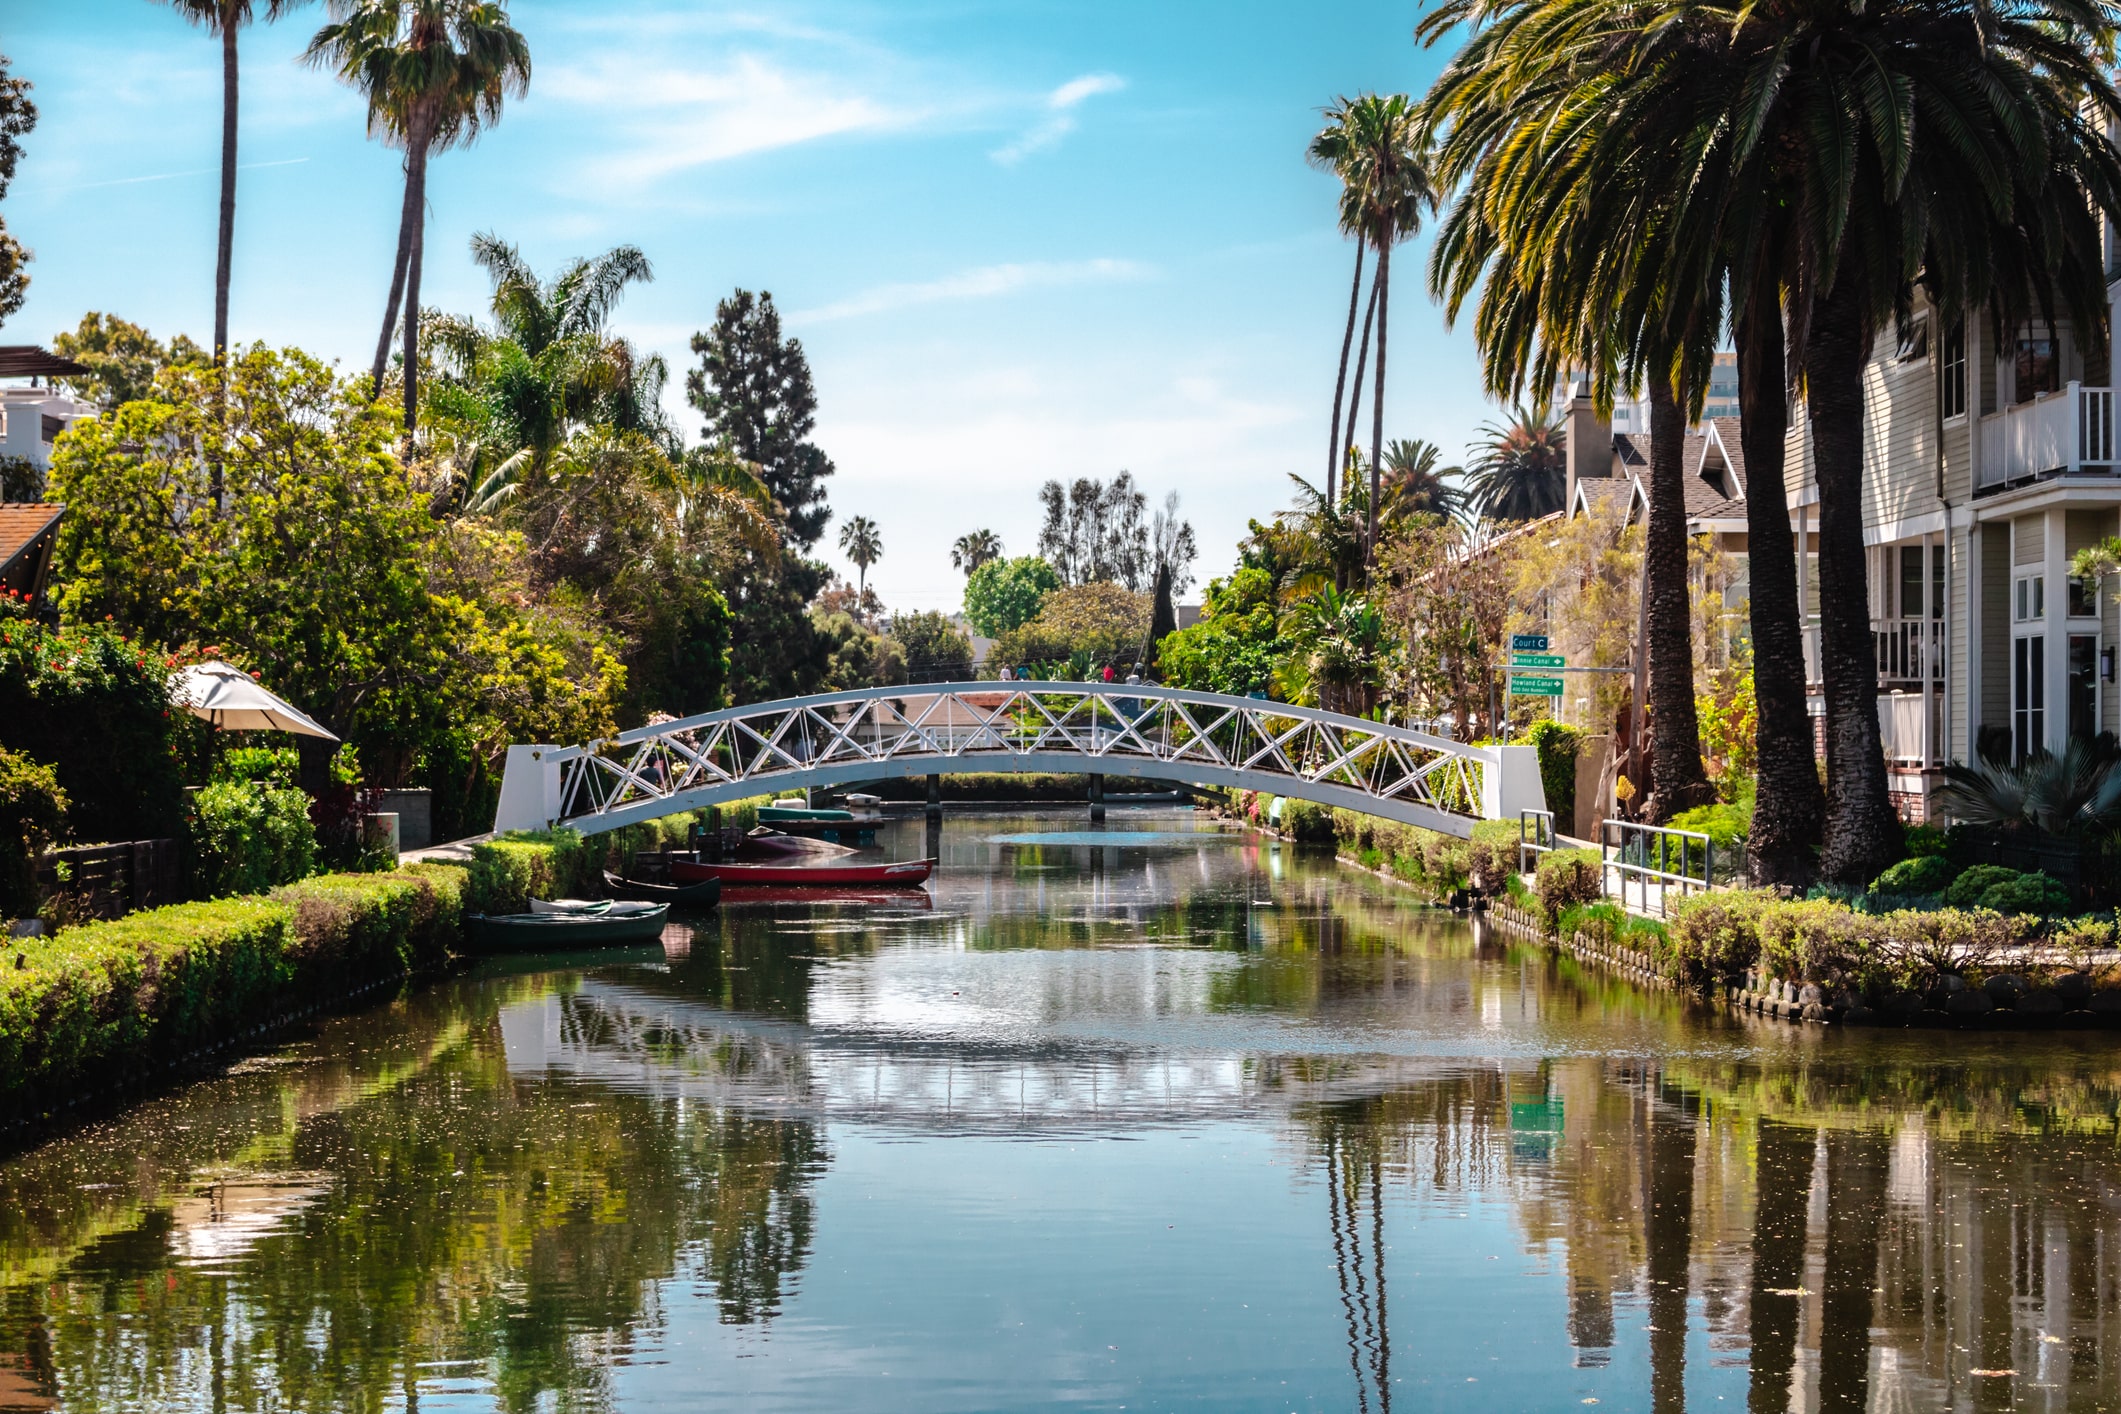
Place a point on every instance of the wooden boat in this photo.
(698, 895)
(840, 826)
(592, 926)
(906, 874)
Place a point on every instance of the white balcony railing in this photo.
(2067, 433)
(1909, 649)
(1900, 728)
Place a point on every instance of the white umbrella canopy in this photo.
(226, 696)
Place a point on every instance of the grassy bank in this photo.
(1444, 867)
(105, 1005)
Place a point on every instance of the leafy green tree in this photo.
(1103, 624)
(863, 545)
(224, 19)
(32, 816)
(935, 650)
(122, 359)
(17, 116)
(1235, 645)
(1002, 595)
(754, 389)
(434, 73)
(857, 656)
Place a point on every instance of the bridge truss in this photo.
(1101, 728)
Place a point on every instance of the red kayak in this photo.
(907, 874)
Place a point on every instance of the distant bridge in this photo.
(1112, 729)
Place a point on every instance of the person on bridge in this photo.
(1108, 672)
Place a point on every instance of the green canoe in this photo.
(550, 932)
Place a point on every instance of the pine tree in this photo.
(754, 388)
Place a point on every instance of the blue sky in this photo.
(1019, 241)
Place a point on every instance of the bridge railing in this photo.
(1106, 728)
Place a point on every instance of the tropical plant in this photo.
(17, 116)
(434, 74)
(862, 545)
(1333, 149)
(1522, 470)
(1340, 652)
(224, 19)
(2065, 794)
(754, 388)
(1375, 143)
(547, 366)
(973, 549)
(1412, 483)
(1002, 595)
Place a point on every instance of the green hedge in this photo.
(508, 871)
(103, 1003)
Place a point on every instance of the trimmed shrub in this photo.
(1568, 877)
(1491, 855)
(1967, 889)
(32, 815)
(2033, 893)
(1923, 874)
(1715, 936)
(1557, 746)
(98, 1002)
(247, 837)
(358, 927)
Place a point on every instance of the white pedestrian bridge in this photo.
(1107, 729)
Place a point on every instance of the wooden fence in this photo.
(112, 880)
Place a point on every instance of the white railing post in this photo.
(2076, 444)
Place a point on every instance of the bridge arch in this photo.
(1199, 738)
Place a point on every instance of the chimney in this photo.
(1589, 449)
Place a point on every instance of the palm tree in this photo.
(862, 545)
(1375, 143)
(548, 364)
(1522, 470)
(1413, 484)
(223, 18)
(1333, 149)
(434, 73)
(974, 549)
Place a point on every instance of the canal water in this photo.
(1158, 1119)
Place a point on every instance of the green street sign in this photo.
(1535, 687)
(1528, 643)
(1538, 660)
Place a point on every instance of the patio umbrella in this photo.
(226, 696)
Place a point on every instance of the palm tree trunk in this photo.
(1676, 778)
(1855, 1186)
(416, 181)
(1862, 833)
(226, 252)
(1789, 808)
(1335, 452)
(1377, 397)
(1362, 364)
(408, 223)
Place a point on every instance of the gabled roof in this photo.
(26, 544)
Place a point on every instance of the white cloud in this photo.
(684, 117)
(1060, 120)
(981, 282)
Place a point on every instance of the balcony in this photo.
(1909, 650)
(2068, 433)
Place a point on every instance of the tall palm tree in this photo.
(224, 19)
(1413, 484)
(862, 545)
(1334, 149)
(435, 73)
(1386, 190)
(1565, 227)
(1522, 470)
(975, 548)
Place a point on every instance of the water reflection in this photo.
(1209, 1126)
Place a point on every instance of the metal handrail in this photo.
(1535, 836)
(1630, 858)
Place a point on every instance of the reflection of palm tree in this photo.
(1855, 1189)
(1350, 1168)
(1522, 473)
(1781, 1185)
(1668, 1227)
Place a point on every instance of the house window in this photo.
(2029, 599)
(1955, 370)
(1915, 344)
(1910, 581)
(2084, 685)
(2034, 371)
(2083, 598)
(2028, 695)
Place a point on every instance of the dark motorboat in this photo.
(568, 923)
(702, 894)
